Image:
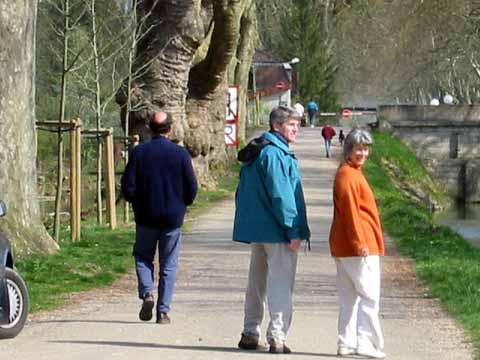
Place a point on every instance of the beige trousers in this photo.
(271, 280)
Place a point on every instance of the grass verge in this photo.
(101, 257)
(448, 263)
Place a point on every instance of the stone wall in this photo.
(446, 138)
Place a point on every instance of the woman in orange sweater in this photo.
(356, 242)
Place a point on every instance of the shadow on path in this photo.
(183, 347)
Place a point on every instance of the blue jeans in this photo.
(311, 118)
(328, 144)
(146, 242)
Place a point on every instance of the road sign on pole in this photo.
(231, 119)
(346, 113)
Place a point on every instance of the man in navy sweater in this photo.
(160, 183)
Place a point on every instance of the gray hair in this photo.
(281, 114)
(357, 136)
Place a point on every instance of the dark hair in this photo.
(163, 127)
(281, 114)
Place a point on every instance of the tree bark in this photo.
(18, 175)
(169, 34)
(165, 78)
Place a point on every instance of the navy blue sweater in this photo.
(160, 183)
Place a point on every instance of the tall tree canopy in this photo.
(384, 50)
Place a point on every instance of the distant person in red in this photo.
(328, 132)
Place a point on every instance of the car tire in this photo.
(19, 303)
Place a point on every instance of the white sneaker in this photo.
(312, 126)
(344, 350)
(371, 352)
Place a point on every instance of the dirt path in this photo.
(208, 305)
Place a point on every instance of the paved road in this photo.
(208, 304)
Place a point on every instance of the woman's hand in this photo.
(364, 252)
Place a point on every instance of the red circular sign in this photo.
(346, 113)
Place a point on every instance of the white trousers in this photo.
(271, 279)
(358, 284)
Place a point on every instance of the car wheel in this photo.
(18, 297)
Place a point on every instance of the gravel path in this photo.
(208, 304)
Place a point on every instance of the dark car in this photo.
(13, 292)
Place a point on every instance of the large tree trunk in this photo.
(18, 176)
(169, 34)
(165, 78)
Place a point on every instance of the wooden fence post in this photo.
(110, 179)
(75, 179)
(78, 163)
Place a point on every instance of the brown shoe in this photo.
(147, 307)
(278, 347)
(251, 342)
(163, 318)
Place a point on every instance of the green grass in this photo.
(448, 264)
(99, 259)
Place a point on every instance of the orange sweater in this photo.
(356, 222)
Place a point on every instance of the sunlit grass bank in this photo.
(448, 264)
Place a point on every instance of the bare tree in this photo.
(69, 23)
(110, 46)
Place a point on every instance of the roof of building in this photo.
(271, 75)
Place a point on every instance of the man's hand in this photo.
(294, 244)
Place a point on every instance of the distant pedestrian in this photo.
(328, 132)
(160, 183)
(341, 137)
(300, 109)
(356, 243)
(271, 215)
(312, 109)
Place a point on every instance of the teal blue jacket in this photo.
(270, 206)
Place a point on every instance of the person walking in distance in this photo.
(270, 214)
(312, 109)
(328, 132)
(160, 182)
(341, 137)
(356, 244)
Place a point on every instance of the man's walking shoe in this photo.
(147, 307)
(370, 352)
(278, 347)
(163, 318)
(345, 351)
(251, 342)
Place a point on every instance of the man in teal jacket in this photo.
(271, 216)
